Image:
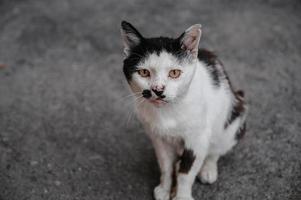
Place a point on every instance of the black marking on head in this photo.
(186, 161)
(130, 66)
(147, 94)
(211, 60)
(148, 46)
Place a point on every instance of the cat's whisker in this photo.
(131, 111)
(130, 99)
(129, 118)
(140, 56)
(130, 95)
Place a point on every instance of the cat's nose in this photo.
(159, 93)
(159, 88)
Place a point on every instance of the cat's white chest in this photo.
(166, 123)
(161, 123)
(169, 122)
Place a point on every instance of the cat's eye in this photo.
(143, 72)
(174, 73)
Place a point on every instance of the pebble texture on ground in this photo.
(67, 131)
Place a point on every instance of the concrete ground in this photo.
(66, 128)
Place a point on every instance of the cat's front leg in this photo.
(166, 156)
(195, 150)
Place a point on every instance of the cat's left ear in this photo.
(190, 40)
(130, 37)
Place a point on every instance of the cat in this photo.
(187, 105)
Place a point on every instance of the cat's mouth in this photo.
(158, 101)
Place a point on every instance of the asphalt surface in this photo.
(66, 128)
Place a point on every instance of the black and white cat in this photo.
(187, 105)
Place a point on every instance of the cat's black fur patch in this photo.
(150, 46)
(186, 161)
(238, 110)
(241, 132)
(147, 94)
(239, 107)
(210, 59)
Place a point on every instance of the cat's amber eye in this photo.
(143, 72)
(174, 73)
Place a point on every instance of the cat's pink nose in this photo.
(159, 88)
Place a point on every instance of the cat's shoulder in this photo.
(208, 57)
(214, 66)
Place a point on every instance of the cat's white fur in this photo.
(193, 118)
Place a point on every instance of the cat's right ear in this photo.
(130, 37)
(190, 40)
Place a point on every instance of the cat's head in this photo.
(160, 69)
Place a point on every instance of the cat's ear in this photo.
(190, 40)
(130, 37)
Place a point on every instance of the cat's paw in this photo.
(208, 174)
(160, 193)
(183, 198)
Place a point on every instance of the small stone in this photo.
(34, 163)
(2, 66)
(57, 183)
(95, 157)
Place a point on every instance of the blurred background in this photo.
(67, 131)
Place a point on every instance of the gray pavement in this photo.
(66, 128)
